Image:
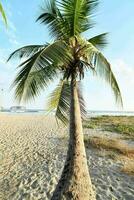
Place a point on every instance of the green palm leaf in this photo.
(103, 69)
(99, 41)
(81, 100)
(42, 67)
(26, 51)
(29, 86)
(78, 13)
(59, 100)
(3, 14)
(52, 17)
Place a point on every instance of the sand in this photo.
(32, 154)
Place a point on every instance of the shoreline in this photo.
(90, 113)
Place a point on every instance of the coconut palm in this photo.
(3, 14)
(68, 58)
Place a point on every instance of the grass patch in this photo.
(122, 129)
(119, 124)
(109, 144)
(115, 149)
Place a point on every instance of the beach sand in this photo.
(32, 154)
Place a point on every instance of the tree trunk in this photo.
(75, 182)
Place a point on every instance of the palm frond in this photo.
(59, 100)
(81, 101)
(99, 41)
(2, 12)
(36, 81)
(103, 69)
(26, 51)
(39, 69)
(52, 17)
(78, 14)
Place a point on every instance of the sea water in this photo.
(91, 113)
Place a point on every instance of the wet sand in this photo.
(32, 154)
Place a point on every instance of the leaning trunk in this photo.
(75, 182)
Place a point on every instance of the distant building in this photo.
(1, 108)
(17, 109)
(1, 99)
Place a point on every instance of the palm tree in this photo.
(68, 57)
(3, 14)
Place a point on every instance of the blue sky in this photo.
(115, 17)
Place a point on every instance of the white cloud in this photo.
(124, 74)
(4, 65)
(14, 41)
(123, 71)
(12, 34)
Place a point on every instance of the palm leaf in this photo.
(59, 100)
(3, 14)
(78, 14)
(99, 41)
(26, 51)
(42, 67)
(81, 100)
(52, 17)
(103, 69)
(28, 86)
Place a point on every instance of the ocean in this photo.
(110, 113)
(91, 113)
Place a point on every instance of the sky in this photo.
(114, 17)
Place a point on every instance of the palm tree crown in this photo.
(69, 56)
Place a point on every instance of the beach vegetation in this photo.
(115, 149)
(114, 144)
(123, 125)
